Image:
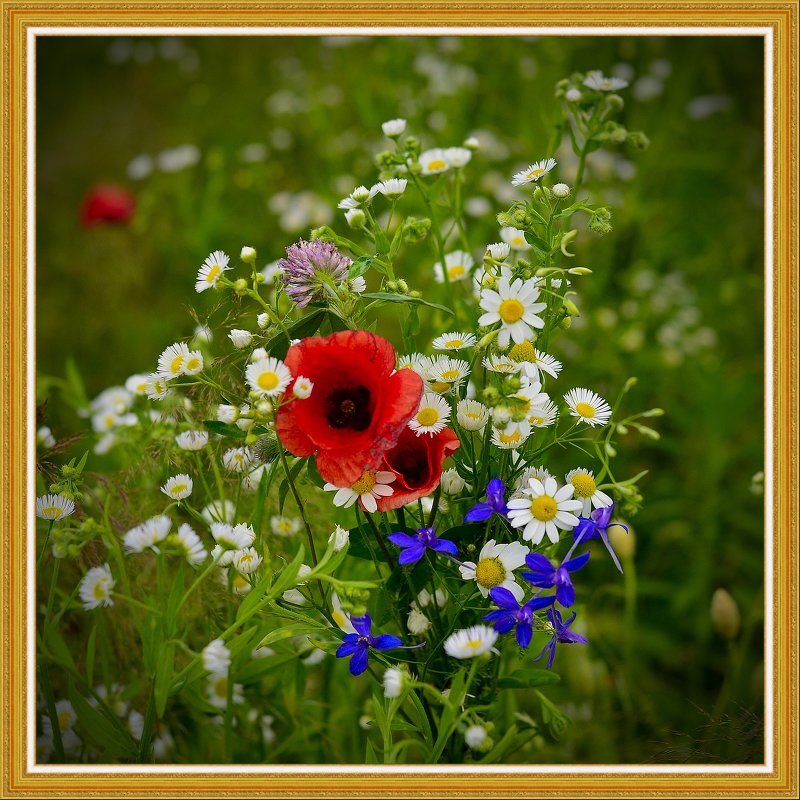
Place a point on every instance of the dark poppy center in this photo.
(349, 408)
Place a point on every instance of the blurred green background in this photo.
(232, 141)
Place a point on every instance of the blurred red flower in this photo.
(357, 409)
(107, 203)
(417, 464)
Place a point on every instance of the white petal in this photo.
(368, 501)
(341, 497)
(514, 588)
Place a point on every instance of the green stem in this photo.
(40, 560)
(299, 504)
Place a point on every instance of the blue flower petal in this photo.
(363, 625)
(412, 554)
(386, 642)
(445, 546)
(402, 539)
(347, 648)
(359, 661)
(565, 594)
(478, 513)
(574, 564)
(524, 634)
(503, 598)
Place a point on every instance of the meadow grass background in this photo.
(284, 128)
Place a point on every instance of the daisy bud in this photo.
(475, 736)
(339, 538)
(302, 387)
(227, 413)
(501, 415)
(355, 218)
(615, 102)
(393, 128)
(573, 95)
(394, 680)
(561, 190)
(248, 255)
(417, 622)
(472, 143)
(725, 615)
(240, 287)
(240, 338)
(262, 320)
(571, 308)
(264, 408)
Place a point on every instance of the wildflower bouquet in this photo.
(361, 513)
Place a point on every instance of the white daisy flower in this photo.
(514, 238)
(499, 251)
(431, 416)
(218, 511)
(218, 692)
(458, 263)
(156, 387)
(302, 388)
(513, 305)
(45, 438)
(269, 377)
(445, 373)
(393, 128)
(246, 561)
(231, 537)
(512, 436)
(452, 482)
(530, 396)
(116, 398)
(170, 362)
(240, 586)
(472, 415)
(137, 384)
(597, 81)
(586, 490)
(533, 172)
(370, 486)
(544, 509)
(211, 271)
(192, 440)
(454, 341)
(501, 364)
(542, 415)
(107, 420)
(179, 487)
(284, 526)
(147, 535)
(588, 406)
(216, 657)
(391, 188)
(540, 473)
(495, 567)
(54, 506)
(193, 363)
(458, 157)
(226, 413)
(433, 161)
(240, 338)
(95, 588)
(471, 642)
(237, 459)
(394, 680)
(189, 543)
(251, 481)
(413, 361)
(534, 362)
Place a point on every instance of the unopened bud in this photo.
(579, 270)
(615, 102)
(725, 616)
(248, 255)
(623, 544)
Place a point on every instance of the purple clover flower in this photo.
(414, 547)
(596, 526)
(358, 644)
(561, 635)
(308, 266)
(495, 503)
(545, 575)
(511, 613)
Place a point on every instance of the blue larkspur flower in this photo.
(596, 526)
(414, 547)
(511, 613)
(561, 635)
(545, 575)
(358, 644)
(495, 503)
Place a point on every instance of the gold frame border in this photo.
(17, 781)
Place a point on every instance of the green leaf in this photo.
(95, 726)
(308, 325)
(370, 757)
(288, 631)
(469, 534)
(224, 429)
(163, 677)
(288, 577)
(528, 679)
(58, 647)
(257, 516)
(363, 544)
(360, 266)
(90, 652)
(313, 473)
(77, 391)
(174, 600)
(539, 244)
(395, 297)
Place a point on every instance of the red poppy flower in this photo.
(357, 409)
(107, 204)
(417, 464)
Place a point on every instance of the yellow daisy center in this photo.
(450, 375)
(454, 343)
(64, 719)
(510, 438)
(427, 416)
(437, 163)
(440, 386)
(193, 363)
(544, 507)
(535, 173)
(178, 488)
(246, 558)
(511, 310)
(474, 644)
(52, 512)
(585, 409)
(284, 526)
(490, 572)
(268, 380)
(365, 483)
(584, 485)
(99, 590)
(175, 364)
(525, 405)
(518, 240)
(524, 351)
(238, 584)
(473, 415)
(220, 687)
(213, 273)
(534, 420)
(456, 271)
